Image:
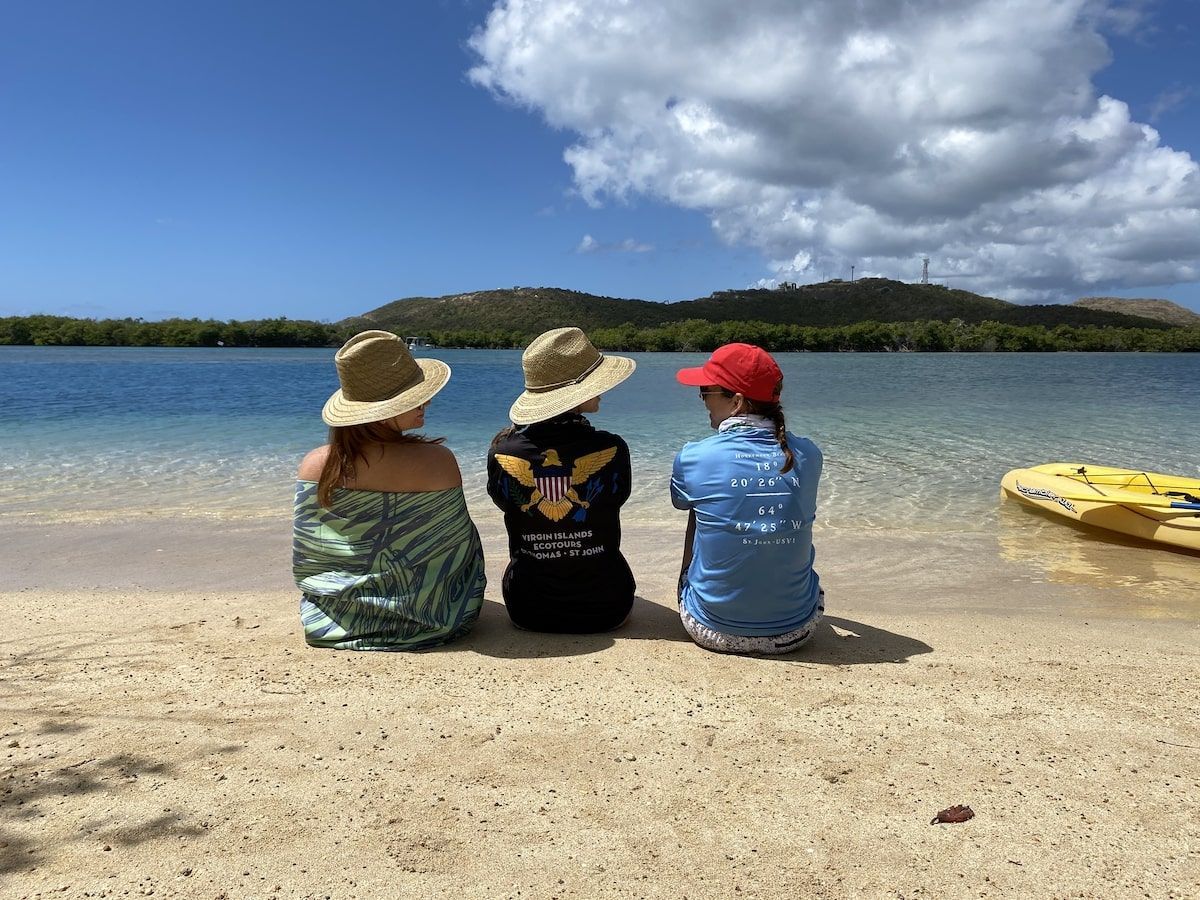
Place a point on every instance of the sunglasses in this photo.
(709, 393)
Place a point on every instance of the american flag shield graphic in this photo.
(553, 487)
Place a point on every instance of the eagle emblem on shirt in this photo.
(553, 486)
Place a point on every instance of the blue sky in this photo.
(243, 160)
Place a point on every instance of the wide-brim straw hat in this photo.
(563, 370)
(380, 379)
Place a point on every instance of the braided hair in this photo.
(772, 410)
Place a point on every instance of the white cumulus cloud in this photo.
(828, 133)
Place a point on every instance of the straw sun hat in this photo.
(562, 370)
(380, 379)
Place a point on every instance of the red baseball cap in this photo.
(742, 368)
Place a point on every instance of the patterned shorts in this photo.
(773, 644)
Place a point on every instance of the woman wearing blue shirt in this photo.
(747, 584)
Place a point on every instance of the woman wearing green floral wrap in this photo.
(384, 552)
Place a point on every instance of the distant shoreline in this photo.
(921, 336)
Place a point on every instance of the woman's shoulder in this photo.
(710, 444)
(507, 440)
(596, 441)
(394, 468)
(312, 464)
(609, 437)
(805, 443)
(417, 467)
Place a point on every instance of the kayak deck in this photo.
(1118, 483)
(1153, 506)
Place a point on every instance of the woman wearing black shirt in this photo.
(561, 484)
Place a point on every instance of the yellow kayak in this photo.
(1147, 505)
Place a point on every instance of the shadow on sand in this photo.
(838, 641)
(494, 635)
(54, 756)
(844, 642)
(35, 787)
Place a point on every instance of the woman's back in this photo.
(399, 467)
(384, 551)
(386, 570)
(561, 484)
(751, 569)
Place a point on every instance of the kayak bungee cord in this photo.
(1125, 480)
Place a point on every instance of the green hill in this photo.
(523, 309)
(1162, 310)
(869, 315)
(528, 311)
(834, 303)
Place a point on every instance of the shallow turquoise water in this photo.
(912, 441)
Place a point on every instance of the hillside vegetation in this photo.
(693, 334)
(523, 309)
(1161, 310)
(869, 315)
(529, 311)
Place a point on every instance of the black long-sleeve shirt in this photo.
(561, 484)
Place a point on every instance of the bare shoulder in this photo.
(313, 462)
(411, 468)
(438, 464)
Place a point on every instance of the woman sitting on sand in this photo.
(384, 551)
(561, 483)
(747, 583)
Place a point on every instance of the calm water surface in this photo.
(914, 442)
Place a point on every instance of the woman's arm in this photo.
(497, 486)
(313, 463)
(689, 538)
(624, 473)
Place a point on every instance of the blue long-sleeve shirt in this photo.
(752, 555)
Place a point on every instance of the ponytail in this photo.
(774, 412)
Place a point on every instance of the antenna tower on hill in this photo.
(925, 270)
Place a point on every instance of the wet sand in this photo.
(164, 728)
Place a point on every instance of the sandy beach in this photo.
(165, 731)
